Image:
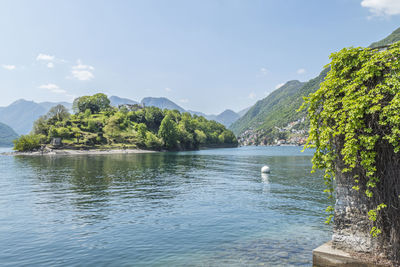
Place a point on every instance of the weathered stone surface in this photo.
(351, 229)
(56, 142)
(328, 256)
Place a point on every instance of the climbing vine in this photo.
(355, 113)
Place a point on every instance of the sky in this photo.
(205, 55)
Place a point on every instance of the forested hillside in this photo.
(273, 117)
(257, 114)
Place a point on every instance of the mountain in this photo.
(227, 117)
(243, 111)
(279, 108)
(49, 105)
(261, 112)
(116, 101)
(7, 135)
(161, 102)
(392, 38)
(21, 114)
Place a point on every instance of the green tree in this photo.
(200, 136)
(141, 128)
(40, 126)
(96, 103)
(57, 113)
(168, 132)
(27, 143)
(153, 117)
(152, 141)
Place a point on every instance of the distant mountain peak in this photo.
(21, 101)
(162, 103)
(116, 101)
(227, 111)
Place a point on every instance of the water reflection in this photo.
(193, 208)
(264, 178)
(93, 184)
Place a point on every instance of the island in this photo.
(97, 126)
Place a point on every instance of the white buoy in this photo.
(265, 169)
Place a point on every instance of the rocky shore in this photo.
(51, 152)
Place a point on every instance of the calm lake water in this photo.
(202, 208)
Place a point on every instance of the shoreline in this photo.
(66, 152)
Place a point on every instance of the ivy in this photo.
(355, 110)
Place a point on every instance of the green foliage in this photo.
(149, 128)
(95, 103)
(269, 112)
(169, 132)
(200, 136)
(152, 141)
(40, 126)
(57, 113)
(279, 108)
(355, 111)
(27, 143)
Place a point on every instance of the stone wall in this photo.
(351, 229)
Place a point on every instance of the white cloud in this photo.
(264, 71)
(301, 71)
(53, 88)
(82, 75)
(252, 95)
(168, 89)
(81, 66)
(279, 85)
(382, 7)
(50, 65)
(44, 57)
(9, 67)
(82, 72)
(184, 100)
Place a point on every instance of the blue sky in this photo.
(206, 55)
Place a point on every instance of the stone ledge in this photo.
(327, 256)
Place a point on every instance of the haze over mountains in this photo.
(7, 135)
(21, 114)
(275, 111)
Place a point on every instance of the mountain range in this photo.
(277, 110)
(280, 107)
(21, 114)
(227, 117)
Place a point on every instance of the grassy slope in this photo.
(257, 114)
(279, 108)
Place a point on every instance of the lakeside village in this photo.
(293, 133)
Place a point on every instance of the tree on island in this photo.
(96, 124)
(95, 103)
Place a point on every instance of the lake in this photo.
(200, 208)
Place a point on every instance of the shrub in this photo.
(27, 143)
(152, 141)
